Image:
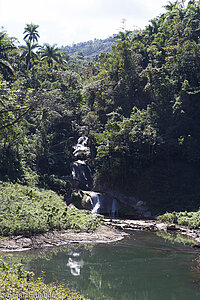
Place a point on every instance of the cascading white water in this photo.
(81, 171)
(81, 146)
(101, 203)
(82, 176)
(96, 202)
(114, 208)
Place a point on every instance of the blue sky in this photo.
(64, 22)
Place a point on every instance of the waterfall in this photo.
(96, 202)
(82, 179)
(114, 208)
(81, 146)
(105, 203)
(81, 173)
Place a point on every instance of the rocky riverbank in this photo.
(112, 230)
(153, 225)
(105, 234)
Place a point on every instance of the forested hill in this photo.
(89, 48)
(139, 105)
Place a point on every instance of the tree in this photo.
(31, 33)
(28, 54)
(50, 54)
(5, 47)
(153, 27)
(123, 35)
(170, 6)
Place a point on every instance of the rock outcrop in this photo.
(115, 204)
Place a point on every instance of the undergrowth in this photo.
(190, 219)
(17, 284)
(25, 210)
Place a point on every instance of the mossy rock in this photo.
(76, 199)
(86, 204)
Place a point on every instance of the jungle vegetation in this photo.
(16, 283)
(138, 104)
(90, 49)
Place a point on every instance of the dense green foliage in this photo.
(90, 48)
(16, 283)
(147, 98)
(190, 219)
(138, 104)
(25, 210)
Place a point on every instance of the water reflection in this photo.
(142, 268)
(75, 265)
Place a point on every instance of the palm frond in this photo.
(5, 66)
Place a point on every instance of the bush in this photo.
(60, 186)
(25, 210)
(190, 219)
(16, 283)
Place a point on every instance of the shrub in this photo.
(190, 219)
(25, 210)
(16, 283)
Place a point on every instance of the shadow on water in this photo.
(142, 267)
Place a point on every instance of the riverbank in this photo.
(104, 234)
(153, 225)
(112, 230)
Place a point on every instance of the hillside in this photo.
(138, 104)
(89, 48)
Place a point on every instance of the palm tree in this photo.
(175, 9)
(31, 32)
(51, 54)
(123, 35)
(5, 47)
(170, 6)
(28, 54)
(153, 27)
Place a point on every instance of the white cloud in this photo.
(67, 21)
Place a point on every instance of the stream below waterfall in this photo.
(144, 266)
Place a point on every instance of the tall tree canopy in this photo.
(31, 32)
(29, 54)
(138, 104)
(5, 47)
(51, 54)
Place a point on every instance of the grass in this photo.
(17, 284)
(190, 219)
(26, 211)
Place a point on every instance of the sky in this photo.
(64, 22)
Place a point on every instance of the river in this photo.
(144, 266)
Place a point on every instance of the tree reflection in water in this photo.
(144, 267)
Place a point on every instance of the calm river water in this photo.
(141, 267)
